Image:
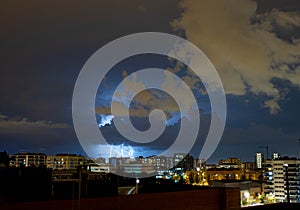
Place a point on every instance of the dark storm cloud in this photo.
(18, 135)
(25, 126)
(45, 44)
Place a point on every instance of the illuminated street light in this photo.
(137, 185)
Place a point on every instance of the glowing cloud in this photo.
(105, 120)
(243, 45)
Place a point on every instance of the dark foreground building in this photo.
(210, 199)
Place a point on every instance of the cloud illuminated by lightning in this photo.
(105, 120)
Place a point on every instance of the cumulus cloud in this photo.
(25, 125)
(244, 45)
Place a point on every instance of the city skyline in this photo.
(258, 158)
(254, 46)
(265, 181)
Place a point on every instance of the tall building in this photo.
(28, 160)
(259, 159)
(283, 175)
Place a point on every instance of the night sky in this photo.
(254, 45)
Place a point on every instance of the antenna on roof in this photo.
(267, 150)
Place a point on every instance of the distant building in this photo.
(178, 157)
(183, 161)
(199, 164)
(231, 162)
(209, 166)
(97, 168)
(65, 161)
(137, 168)
(99, 160)
(231, 174)
(223, 174)
(259, 159)
(275, 156)
(160, 163)
(249, 165)
(277, 171)
(28, 160)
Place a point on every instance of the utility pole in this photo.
(137, 181)
(267, 150)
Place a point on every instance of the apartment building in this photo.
(25, 159)
(283, 176)
(65, 161)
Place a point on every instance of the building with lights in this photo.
(224, 174)
(231, 162)
(137, 168)
(283, 176)
(199, 164)
(160, 163)
(183, 161)
(99, 168)
(275, 156)
(231, 174)
(259, 159)
(248, 165)
(65, 161)
(130, 165)
(28, 160)
(250, 191)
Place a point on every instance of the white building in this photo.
(277, 172)
(159, 163)
(99, 168)
(259, 159)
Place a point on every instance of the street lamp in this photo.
(137, 185)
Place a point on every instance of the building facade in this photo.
(28, 160)
(183, 161)
(231, 162)
(283, 177)
(259, 160)
(65, 161)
